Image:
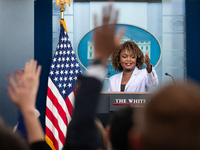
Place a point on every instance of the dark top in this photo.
(40, 145)
(123, 87)
(82, 133)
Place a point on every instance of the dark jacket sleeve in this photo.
(82, 132)
(40, 145)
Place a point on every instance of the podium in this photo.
(112, 101)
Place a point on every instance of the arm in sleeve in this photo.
(109, 88)
(82, 129)
(152, 78)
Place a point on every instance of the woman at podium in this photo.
(129, 59)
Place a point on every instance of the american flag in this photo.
(61, 91)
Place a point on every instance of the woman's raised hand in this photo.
(147, 63)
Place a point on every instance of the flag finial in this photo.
(62, 8)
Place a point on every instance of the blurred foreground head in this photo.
(171, 120)
(120, 123)
(10, 140)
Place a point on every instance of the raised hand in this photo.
(23, 88)
(147, 63)
(105, 41)
(23, 91)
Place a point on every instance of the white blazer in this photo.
(140, 81)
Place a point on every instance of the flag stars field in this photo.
(61, 72)
(67, 59)
(55, 79)
(57, 72)
(64, 85)
(51, 73)
(59, 85)
(71, 72)
(72, 65)
(63, 92)
(64, 64)
(70, 78)
(58, 66)
(52, 66)
(69, 85)
(77, 65)
(76, 71)
(67, 65)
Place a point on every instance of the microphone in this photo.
(167, 74)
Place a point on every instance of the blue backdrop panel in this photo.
(43, 49)
(193, 38)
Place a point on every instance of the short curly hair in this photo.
(129, 45)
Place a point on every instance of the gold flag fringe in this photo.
(64, 25)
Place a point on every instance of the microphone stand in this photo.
(171, 77)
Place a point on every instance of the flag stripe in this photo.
(71, 98)
(75, 89)
(50, 133)
(54, 111)
(69, 101)
(54, 132)
(61, 135)
(57, 105)
(60, 100)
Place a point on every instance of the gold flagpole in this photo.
(62, 8)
